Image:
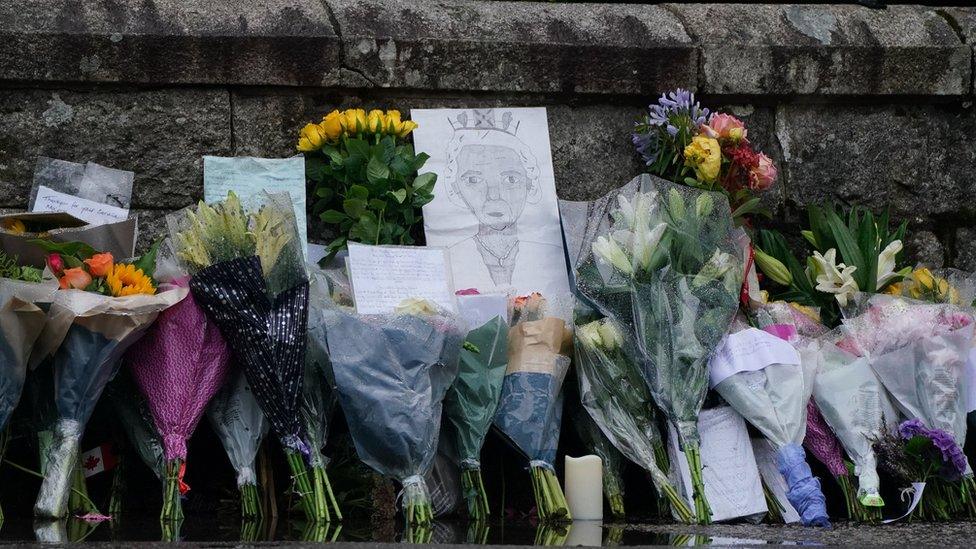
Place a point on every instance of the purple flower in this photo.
(911, 428)
(674, 118)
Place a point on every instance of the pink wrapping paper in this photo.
(179, 365)
(822, 442)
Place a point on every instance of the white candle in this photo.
(584, 487)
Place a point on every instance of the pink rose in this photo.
(56, 264)
(469, 291)
(763, 175)
(726, 127)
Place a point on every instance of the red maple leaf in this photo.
(91, 462)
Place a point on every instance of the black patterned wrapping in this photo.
(266, 335)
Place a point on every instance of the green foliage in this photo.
(370, 190)
(10, 269)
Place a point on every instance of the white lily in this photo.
(835, 278)
(589, 334)
(715, 268)
(625, 212)
(415, 306)
(886, 263)
(611, 252)
(645, 242)
(610, 336)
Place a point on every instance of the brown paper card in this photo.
(534, 345)
(117, 238)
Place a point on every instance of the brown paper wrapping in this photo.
(21, 320)
(534, 345)
(117, 238)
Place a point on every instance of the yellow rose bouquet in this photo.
(686, 143)
(365, 177)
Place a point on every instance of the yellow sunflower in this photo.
(125, 279)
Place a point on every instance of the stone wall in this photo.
(859, 106)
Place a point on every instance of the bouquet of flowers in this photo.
(671, 247)
(859, 254)
(763, 377)
(104, 307)
(236, 417)
(392, 373)
(179, 365)
(823, 444)
(855, 406)
(684, 143)
(473, 398)
(614, 393)
(531, 405)
(365, 177)
(919, 351)
(926, 459)
(21, 321)
(319, 396)
(596, 442)
(248, 275)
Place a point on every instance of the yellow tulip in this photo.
(704, 155)
(311, 138)
(332, 126)
(15, 226)
(375, 121)
(408, 126)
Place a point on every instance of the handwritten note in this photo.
(747, 351)
(248, 177)
(729, 469)
(383, 276)
(95, 213)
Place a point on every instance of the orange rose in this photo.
(76, 278)
(100, 264)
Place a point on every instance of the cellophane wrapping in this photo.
(21, 322)
(86, 335)
(392, 373)
(241, 425)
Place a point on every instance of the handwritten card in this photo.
(383, 276)
(729, 470)
(747, 351)
(95, 213)
(249, 177)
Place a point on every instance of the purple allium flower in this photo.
(677, 103)
(668, 125)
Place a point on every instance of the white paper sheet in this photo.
(495, 204)
(249, 176)
(729, 469)
(383, 276)
(95, 213)
(747, 351)
(766, 461)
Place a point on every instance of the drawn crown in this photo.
(484, 119)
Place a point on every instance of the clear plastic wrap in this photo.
(664, 263)
(473, 398)
(918, 351)
(614, 393)
(137, 422)
(319, 396)
(87, 334)
(772, 394)
(241, 425)
(530, 409)
(856, 407)
(392, 373)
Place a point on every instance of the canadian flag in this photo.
(98, 459)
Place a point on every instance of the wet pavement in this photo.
(212, 532)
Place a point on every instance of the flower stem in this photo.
(302, 486)
(474, 493)
(702, 511)
(172, 508)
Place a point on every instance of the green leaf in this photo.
(385, 149)
(357, 191)
(377, 170)
(377, 204)
(425, 180)
(333, 217)
(334, 154)
(419, 160)
(316, 168)
(808, 235)
(400, 195)
(324, 193)
(357, 148)
(749, 206)
(354, 207)
(147, 261)
(849, 250)
(75, 249)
